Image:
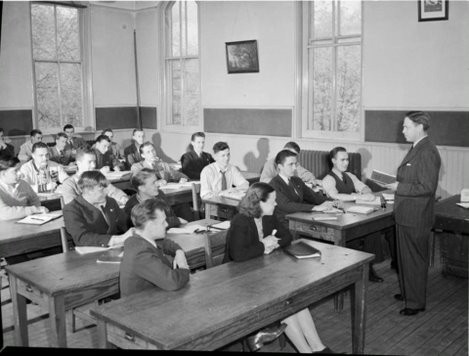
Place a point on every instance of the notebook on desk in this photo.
(360, 209)
(302, 250)
(114, 255)
(39, 219)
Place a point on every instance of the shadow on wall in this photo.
(253, 163)
(156, 139)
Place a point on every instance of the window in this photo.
(182, 68)
(58, 66)
(331, 106)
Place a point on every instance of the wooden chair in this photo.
(66, 240)
(196, 202)
(214, 248)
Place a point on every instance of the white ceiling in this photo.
(127, 5)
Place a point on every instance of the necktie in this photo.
(104, 215)
(223, 181)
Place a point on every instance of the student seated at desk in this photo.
(59, 153)
(220, 175)
(86, 161)
(144, 264)
(114, 147)
(270, 169)
(152, 161)
(6, 150)
(132, 152)
(292, 193)
(74, 142)
(42, 174)
(17, 198)
(105, 159)
(26, 149)
(251, 234)
(93, 218)
(345, 186)
(195, 159)
(146, 184)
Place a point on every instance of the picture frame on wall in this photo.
(433, 10)
(242, 57)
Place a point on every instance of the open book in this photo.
(302, 250)
(360, 209)
(235, 194)
(114, 255)
(39, 219)
(382, 178)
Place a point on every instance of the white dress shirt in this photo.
(210, 180)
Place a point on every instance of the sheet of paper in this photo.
(187, 229)
(83, 250)
(464, 205)
(224, 225)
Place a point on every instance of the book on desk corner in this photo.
(39, 219)
(302, 250)
(114, 255)
(360, 209)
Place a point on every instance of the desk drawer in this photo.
(124, 340)
(313, 230)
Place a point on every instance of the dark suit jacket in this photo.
(171, 218)
(418, 179)
(192, 164)
(65, 158)
(145, 266)
(132, 154)
(290, 202)
(242, 239)
(107, 159)
(8, 151)
(76, 144)
(87, 226)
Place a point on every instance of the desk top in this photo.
(221, 201)
(11, 230)
(451, 217)
(226, 294)
(61, 273)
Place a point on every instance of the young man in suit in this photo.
(59, 153)
(105, 159)
(7, 151)
(74, 142)
(145, 264)
(26, 149)
(195, 159)
(417, 181)
(132, 152)
(93, 218)
(292, 193)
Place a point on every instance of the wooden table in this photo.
(223, 304)
(451, 226)
(251, 177)
(220, 207)
(64, 281)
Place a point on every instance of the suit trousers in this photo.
(413, 261)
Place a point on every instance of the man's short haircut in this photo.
(292, 145)
(60, 134)
(420, 117)
(38, 145)
(8, 162)
(68, 126)
(136, 130)
(106, 130)
(197, 134)
(334, 151)
(101, 138)
(146, 210)
(90, 179)
(82, 152)
(141, 177)
(145, 144)
(35, 132)
(220, 146)
(282, 156)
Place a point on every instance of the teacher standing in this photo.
(417, 180)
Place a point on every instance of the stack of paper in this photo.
(376, 201)
(360, 209)
(187, 229)
(39, 219)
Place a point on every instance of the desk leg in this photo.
(57, 321)
(102, 335)
(208, 209)
(19, 314)
(358, 309)
(339, 240)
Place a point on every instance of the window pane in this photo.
(322, 19)
(175, 69)
(47, 95)
(68, 42)
(191, 92)
(350, 17)
(192, 29)
(70, 87)
(183, 28)
(348, 88)
(175, 27)
(322, 89)
(43, 32)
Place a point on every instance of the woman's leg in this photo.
(309, 330)
(295, 334)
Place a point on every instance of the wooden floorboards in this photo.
(441, 330)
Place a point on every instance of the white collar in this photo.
(420, 139)
(286, 179)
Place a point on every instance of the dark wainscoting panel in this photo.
(447, 128)
(16, 122)
(268, 122)
(148, 116)
(116, 117)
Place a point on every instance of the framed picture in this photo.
(433, 10)
(241, 57)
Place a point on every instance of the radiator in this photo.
(317, 162)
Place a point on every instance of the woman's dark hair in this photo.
(91, 179)
(8, 162)
(250, 204)
(141, 176)
(146, 210)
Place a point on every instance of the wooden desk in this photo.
(223, 304)
(178, 196)
(64, 281)
(220, 207)
(251, 177)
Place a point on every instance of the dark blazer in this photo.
(132, 154)
(76, 143)
(8, 151)
(418, 179)
(290, 202)
(65, 158)
(87, 226)
(242, 239)
(171, 218)
(192, 164)
(145, 266)
(107, 159)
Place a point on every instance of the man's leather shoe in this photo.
(264, 336)
(373, 277)
(324, 351)
(410, 311)
(399, 297)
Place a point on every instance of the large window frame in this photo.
(305, 87)
(87, 112)
(167, 59)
